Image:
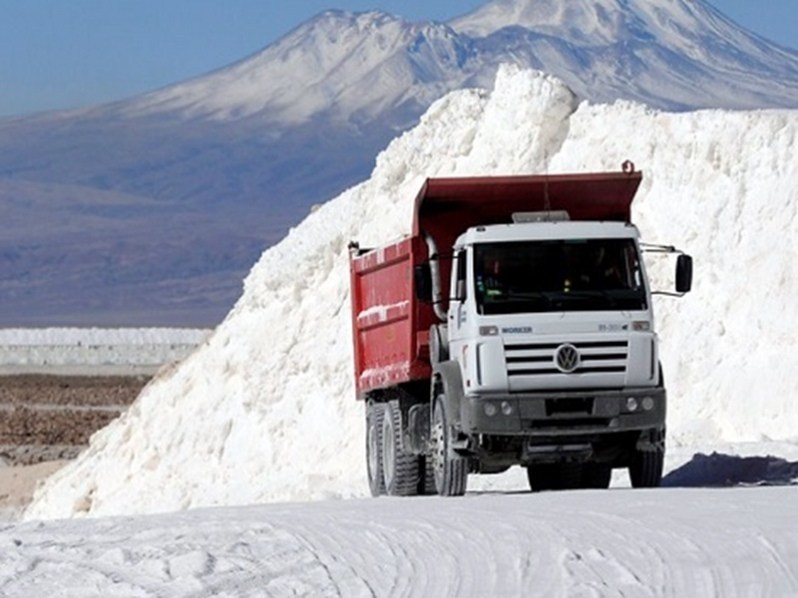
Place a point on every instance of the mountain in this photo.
(672, 54)
(149, 210)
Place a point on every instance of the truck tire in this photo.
(374, 416)
(427, 477)
(541, 477)
(450, 469)
(400, 468)
(645, 469)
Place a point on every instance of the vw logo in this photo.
(566, 358)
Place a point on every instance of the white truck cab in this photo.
(551, 305)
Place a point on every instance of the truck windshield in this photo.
(558, 275)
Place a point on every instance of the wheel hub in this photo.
(438, 454)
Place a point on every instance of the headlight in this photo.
(507, 408)
(490, 409)
(631, 404)
(647, 403)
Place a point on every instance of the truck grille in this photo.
(540, 359)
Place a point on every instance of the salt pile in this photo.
(265, 410)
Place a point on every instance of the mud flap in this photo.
(448, 375)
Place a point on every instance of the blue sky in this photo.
(68, 53)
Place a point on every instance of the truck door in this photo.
(458, 308)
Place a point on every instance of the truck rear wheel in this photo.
(400, 468)
(427, 477)
(450, 469)
(374, 416)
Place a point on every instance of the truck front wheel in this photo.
(450, 469)
(374, 416)
(645, 470)
(645, 467)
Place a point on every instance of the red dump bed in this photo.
(391, 328)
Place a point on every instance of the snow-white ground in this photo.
(740, 542)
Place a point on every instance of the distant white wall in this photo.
(143, 349)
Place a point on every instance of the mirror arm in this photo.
(652, 248)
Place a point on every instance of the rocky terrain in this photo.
(49, 417)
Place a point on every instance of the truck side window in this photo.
(460, 288)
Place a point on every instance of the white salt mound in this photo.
(266, 411)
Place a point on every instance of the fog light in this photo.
(648, 403)
(507, 408)
(490, 409)
(631, 404)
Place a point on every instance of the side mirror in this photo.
(422, 277)
(684, 273)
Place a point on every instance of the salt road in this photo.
(664, 542)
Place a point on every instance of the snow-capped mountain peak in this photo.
(589, 22)
(356, 67)
(347, 64)
(687, 26)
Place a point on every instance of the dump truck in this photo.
(513, 326)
